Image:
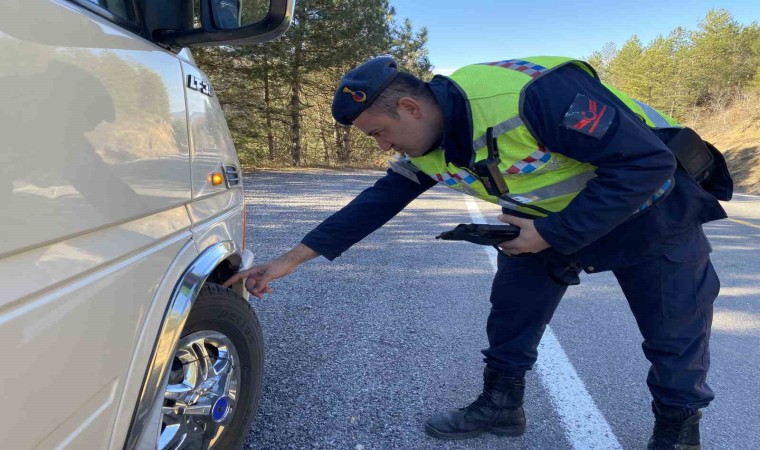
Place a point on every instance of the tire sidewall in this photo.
(225, 311)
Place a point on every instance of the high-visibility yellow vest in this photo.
(533, 174)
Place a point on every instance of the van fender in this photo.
(181, 302)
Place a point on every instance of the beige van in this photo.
(121, 212)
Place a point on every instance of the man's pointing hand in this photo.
(259, 276)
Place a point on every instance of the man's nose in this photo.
(384, 145)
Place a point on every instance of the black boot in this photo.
(497, 410)
(674, 429)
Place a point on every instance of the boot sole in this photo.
(499, 431)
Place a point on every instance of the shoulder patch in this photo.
(588, 116)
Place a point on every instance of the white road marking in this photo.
(743, 222)
(584, 426)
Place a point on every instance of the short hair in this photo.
(404, 85)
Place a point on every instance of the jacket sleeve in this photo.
(632, 163)
(370, 210)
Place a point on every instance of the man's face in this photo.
(409, 133)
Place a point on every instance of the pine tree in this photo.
(626, 70)
(716, 53)
(409, 51)
(600, 60)
(277, 96)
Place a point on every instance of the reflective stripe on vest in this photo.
(573, 183)
(653, 115)
(499, 129)
(569, 186)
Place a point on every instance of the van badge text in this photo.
(199, 85)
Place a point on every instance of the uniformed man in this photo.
(592, 186)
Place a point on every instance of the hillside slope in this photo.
(736, 132)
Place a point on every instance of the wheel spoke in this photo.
(203, 358)
(224, 363)
(222, 384)
(179, 391)
(198, 410)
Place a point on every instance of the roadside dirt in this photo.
(736, 133)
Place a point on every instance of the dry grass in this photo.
(736, 132)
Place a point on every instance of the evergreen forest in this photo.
(277, 96)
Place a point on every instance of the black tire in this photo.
(225, 311)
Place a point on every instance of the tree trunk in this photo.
(323, 138)
(337, 134)
(295, 107)
(295, 124)
(268, 113)
(343, 141)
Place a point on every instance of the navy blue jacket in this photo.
(596, 227)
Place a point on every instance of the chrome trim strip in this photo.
(501, 128)
(181, 303)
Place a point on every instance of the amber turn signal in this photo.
(216, 178)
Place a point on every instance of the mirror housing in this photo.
(274, 24)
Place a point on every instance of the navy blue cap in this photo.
(360, 87)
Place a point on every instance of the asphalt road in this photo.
(361, 350)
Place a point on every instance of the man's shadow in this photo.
(44, 120)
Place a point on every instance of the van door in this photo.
(94, 178)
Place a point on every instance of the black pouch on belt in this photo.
(692, 154)
(562, 269)
(703, 162)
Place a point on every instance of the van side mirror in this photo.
(232, 22)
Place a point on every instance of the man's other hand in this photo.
(529, 241)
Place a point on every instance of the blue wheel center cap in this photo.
(220, 409)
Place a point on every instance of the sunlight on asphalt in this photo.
(736, 322)
(739, 291)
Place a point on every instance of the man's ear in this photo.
(411, 106)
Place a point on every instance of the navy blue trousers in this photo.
(670, 296)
